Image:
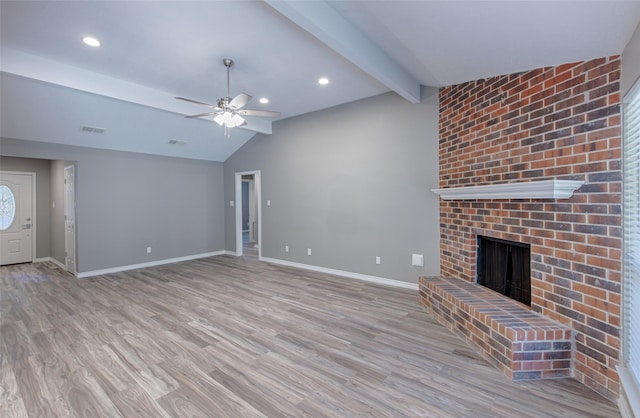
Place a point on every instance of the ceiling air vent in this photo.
(92, 129)
(177, 142)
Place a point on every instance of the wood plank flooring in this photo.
(234, 337)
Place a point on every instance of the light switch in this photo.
(417, 260)
(268, 202)
(232, 203)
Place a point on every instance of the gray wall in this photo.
(43, 197)
(631, 62)
(351, 182)
(127, 201)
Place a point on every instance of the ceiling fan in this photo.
(229, 112)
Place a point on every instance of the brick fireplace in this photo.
(549, 123)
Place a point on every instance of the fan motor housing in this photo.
(223, 102)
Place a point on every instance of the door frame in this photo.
(257, 190)
(75, 217)
(34, 207)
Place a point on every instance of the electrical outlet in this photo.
(286, 248)
(308, 251)
(377, 260)
(148, 250)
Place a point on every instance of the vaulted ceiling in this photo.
(53, 85)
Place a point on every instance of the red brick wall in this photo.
(557, 122)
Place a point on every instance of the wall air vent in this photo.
(177, 142)
(92, 129)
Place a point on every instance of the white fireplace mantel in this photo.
(543, 189)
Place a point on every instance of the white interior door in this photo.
(70, 219)
(16, 217)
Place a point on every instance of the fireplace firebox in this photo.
(505, 267)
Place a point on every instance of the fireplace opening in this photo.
(505, 267)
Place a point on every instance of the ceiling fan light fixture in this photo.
(237, 120)
(222, 118)
(229, 119)
(228, 113)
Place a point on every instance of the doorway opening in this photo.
(248, 214)
(47, 206)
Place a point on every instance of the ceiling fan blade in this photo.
(194, 101)
(261, 113)
(260, 125)
(239, 101)
(199, 115)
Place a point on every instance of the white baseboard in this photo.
(629, 400)
(351, 275)
(53, 260)
(85, 274)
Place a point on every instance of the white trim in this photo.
(351, 275)
(238, 213)
(53, 260)
(544, 189)
(149, 264)
(629, 400)
(34, 217)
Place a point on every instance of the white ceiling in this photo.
(154, 50)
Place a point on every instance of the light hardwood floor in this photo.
(227, 336)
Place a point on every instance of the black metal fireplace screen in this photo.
(505, 266)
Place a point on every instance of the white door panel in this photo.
(70, 219)
(16, 217)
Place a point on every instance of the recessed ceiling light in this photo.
(264, 100)
(323, 81)
(91, 41)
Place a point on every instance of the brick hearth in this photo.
(523, 344)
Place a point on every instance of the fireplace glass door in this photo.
(505, 267)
